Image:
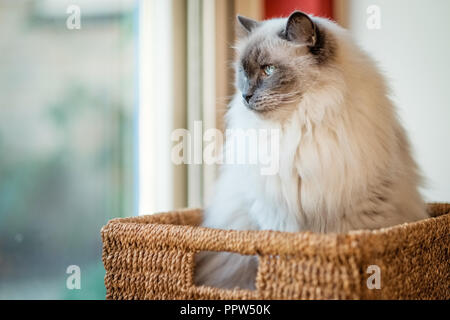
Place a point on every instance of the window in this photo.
(67, 141)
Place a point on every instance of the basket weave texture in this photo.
(152, 257)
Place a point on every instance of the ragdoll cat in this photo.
(345, 160)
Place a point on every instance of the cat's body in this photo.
(344, 159)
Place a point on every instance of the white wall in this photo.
(413, 49)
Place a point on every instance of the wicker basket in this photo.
(152, 257)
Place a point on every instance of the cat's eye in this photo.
(268, 70)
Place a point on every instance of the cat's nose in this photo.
(247, 97)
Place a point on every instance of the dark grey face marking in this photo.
(295, 51)
(259, 90)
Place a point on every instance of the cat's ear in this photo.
(246, 25)
(300, 28)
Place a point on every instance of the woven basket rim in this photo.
(196, 238)
(153, 257)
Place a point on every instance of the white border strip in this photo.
(155, 106)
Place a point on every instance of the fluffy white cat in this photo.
(345, 161)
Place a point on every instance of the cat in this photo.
(345, 161)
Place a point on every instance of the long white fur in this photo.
(341, 142)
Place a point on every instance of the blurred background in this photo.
(91, 90)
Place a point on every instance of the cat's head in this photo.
(278, 60)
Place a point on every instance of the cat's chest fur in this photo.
(272, 200)
(300, 195)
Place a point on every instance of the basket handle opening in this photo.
(225, 270)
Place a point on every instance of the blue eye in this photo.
(268, 70)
